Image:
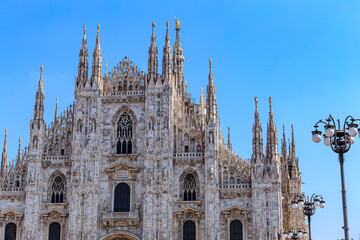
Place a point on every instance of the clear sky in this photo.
(305, 54)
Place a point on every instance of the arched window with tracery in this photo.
(57, 189)
(124, 135)
(122, 198)
(236, 230)
(189, 187)
(10, 231)
(54, 231)
(189, 230)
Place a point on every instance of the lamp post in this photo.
(308, 206)
(295, 235)
(340, 141)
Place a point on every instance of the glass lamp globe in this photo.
(329, 132)
(305, 234)
(300, 204)
(285, 235)
(290, 234)
(353, 131)
(317, 138)
(352, 140)
(300, 234)
(294, 205)
(317, 203)
(322, 204)
(327, 141)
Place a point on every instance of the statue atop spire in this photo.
(271, 143)
(177, 22)
(83, 68)
(167, 58)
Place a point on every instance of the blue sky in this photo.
(305, 54)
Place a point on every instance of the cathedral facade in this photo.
(134, 157)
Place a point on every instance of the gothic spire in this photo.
(178, 54)
(229, 139)
(83, 68)
(257, 136)
(166, 62)
(19, 153)
(97, 62)
(211, 95)
(283, 143)
(271, 137)
(56, 112)
(294, 162)
(4, 155)
(39, 101)
(153, 56)
(293, 149)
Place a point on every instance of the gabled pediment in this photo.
(11, 213)
(235, 208)
(189, 209)
(122, 165)
(54, 213)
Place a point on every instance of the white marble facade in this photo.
(136, 158)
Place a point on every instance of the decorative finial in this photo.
(256, 103)
(210, 62)
(41, 76)
(167, 25)
(177, 22)
(5, 132)
(270, 102)
(84, 30)
(153, 25)
(98, 29)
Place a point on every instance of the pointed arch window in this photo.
(54, 231)
(189, 230)
(57, 191)
(236, 230)
(122, 198)
(124, 135)
(189, 187)
(10, 231)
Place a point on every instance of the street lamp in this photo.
(295, 235)
(340, 141)
(308, 206)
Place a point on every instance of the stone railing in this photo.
(124, 93)
(11, 189)
(56, 161)
(236, 186)
(189, 158)
(235, 190)
(120, 219)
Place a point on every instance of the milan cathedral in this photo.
(134, 157)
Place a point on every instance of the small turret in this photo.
(4, 155)
(96, 78)
(153, 57)
(83, 69)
